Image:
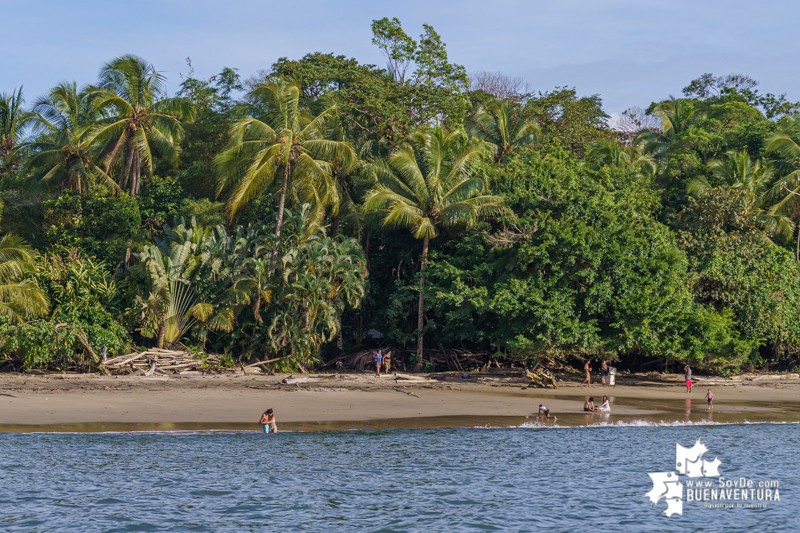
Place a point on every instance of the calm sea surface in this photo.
(459, 479)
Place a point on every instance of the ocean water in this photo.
(527, 478)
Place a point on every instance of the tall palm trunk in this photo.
(161, 334)
(418, 366)
(281, 204)
(797, 247)
(136, 179)
(361, 309)
(340, 335)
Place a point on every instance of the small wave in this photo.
(660, 423)
(152, 432)
(643, 424)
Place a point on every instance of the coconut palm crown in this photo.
(281, 147)
(139, 119)
(61, 122)
(504, 127)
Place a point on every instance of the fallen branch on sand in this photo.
(160, 361)
(411, 377)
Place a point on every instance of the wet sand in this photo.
(121, 403)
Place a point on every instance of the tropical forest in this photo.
(323, 207)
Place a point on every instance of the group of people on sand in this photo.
(589, 405)
(587, 372)
(382, 360)
(269, 425)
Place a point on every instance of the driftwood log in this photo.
(542, 380)
(159, 361)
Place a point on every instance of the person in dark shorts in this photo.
(544, 411)
(710, 399)
(603, 371)
(588, 405)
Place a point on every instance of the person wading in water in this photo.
(268, 422)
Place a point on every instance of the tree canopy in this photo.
(323, 205)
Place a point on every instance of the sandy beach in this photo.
(88, 402)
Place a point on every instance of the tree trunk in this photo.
(340, 335)
(136, 180)
(128, 254)
(418, 366)
(281, 204)
(161, 333)
(361, 310)
(366, 247)
(335, 226)
(797, 248)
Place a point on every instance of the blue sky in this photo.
(629, 52)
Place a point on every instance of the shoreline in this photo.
(65, 402)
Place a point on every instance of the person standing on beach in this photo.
(603, 371)
(710, 399)
(687, 374)
(587, 374)
(378, 362)
(387, 362)
(268, 422)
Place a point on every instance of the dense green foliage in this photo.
(324, 206)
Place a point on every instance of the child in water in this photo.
(544, 411)
(268, 422)
(710, 399)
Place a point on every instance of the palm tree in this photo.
(614, 154)
(320, 278)
(786, 143)
(12, 118)
(737, 171)
(503, 125)
(676, 116)
(349, 174)
(60, 123)
(171, 307)
(254, 279)
(429, 183)
(19, 296)
(284, 150)
(138, 119)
